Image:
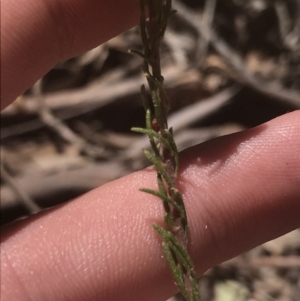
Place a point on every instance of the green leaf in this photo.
(152, 133)
(163, 197)
(176, 271)
(159, 166)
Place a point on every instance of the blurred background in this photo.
(228, 65)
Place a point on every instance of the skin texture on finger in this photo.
(240, 191)
(37, 34)
(248, 184)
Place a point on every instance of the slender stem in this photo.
(165, 155)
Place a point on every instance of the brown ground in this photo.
(74, 134)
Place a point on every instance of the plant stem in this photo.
(165, 155)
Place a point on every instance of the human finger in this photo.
(240, 191)
(36, 34)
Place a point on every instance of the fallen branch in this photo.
(48, 191)
(71, 104)
(205, 24)
(97, 94)
(23, 199)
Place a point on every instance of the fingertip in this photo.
(37, 34)
(242, 186)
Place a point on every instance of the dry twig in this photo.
(50, 190)
(60, 128)
(23, 198)
(242, 75)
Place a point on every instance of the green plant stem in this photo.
(165, 155)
